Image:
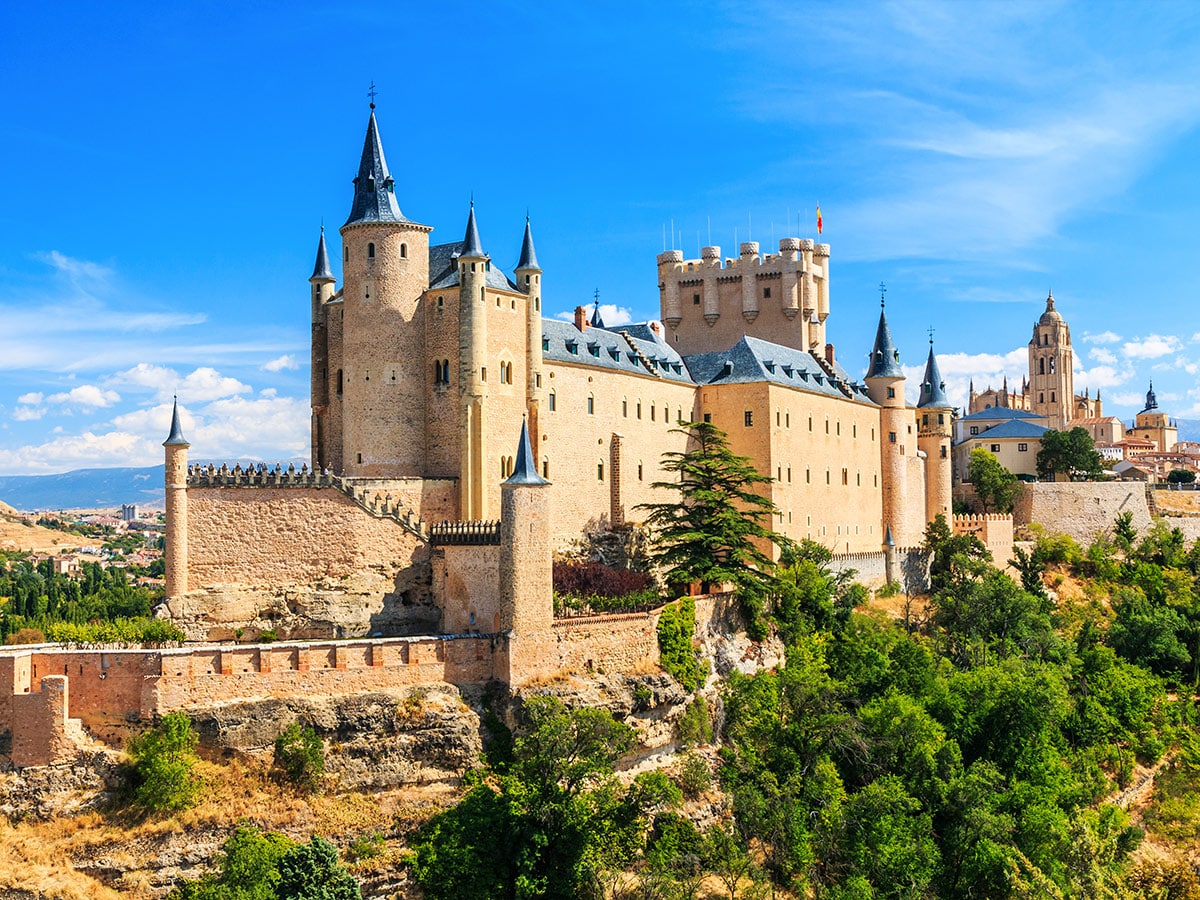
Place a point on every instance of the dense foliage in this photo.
(995, 487)
(300, 757)
(593, 587)
(164, 765)
(1071, 453)
(256, 865)
(676, 630)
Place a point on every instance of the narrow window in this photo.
(370, 251)
(652, 412)
(404, 251)
(1052, 396)
(941, 418)
(787, 419)
(789, 471)
(545, 468)
(766, 293)
(591, 405)
(891, 437)
(891, 392)
(639, 409)
(695, 299)
(625, 409)
(828, 477)
(943, 449)
(552, 400)
(483, 373)
(777, 419)
(599, 471)
(810, 423)
(845, 477)
(346, 253)
(708, 417)
(339, 382)
(748, 418)
(360, 457)
(808, 476)
(639, 470)
(441, 302)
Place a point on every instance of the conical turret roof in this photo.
(525, 468)
(321, 269)
(176, 438)
(472, 246)
(933, 388)
(597, 320)
(374, 189)
(885, 358)
(528, 254)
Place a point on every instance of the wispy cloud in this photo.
(279, 363)
(1151, 347)
(1104, 337)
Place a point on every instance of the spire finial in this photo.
(371, 92)
(931, 329)
(882, 294)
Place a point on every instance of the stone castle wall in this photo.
(994, 531)
(1081, 509)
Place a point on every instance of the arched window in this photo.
(1042, 366)
(370, 251)
(1052, 362)
(552, 401)
(591, 406)
(404, 251)
(508, 371)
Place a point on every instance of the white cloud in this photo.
(1101, 377)
(202, 384)
(78, 270)
(985, 369)
(87, 450)
(1104, 337)
(1151, 347)
(1103, 355)
(86, 396)
(28, 413)
(32, 398)
(287, 361)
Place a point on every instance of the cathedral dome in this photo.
(1051, 316)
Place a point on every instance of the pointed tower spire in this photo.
(528, 254)
(321, 269)
(933, 387)
(472, 246)
(374, 189)
(597, 320)
(888, 540)
(885, 358)
(1151, 400)
(175, 438)
(525, 468)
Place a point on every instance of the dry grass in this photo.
(1187, 502)
(16, 535)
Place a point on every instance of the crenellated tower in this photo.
(1051, 362)
(176, 459)
(473, 264)
(529, 281)
(385, 261)
(707, 305)
(885, 386)
(321, 289)
(934, 413)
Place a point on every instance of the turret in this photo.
(526, 553)
(176, 459)
(321, 289)
(885, 386)
(933, 438)
(529, 280)
(385, 261)
(473, 264)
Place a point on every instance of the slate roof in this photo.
(1013, 428)
(607, 348)
(472, 246)
(885, 358)
(443, 269)
(933, 386)
(321, 268)
(528, 258)
(753, 360)
(1000, 412)
(374, 189)
(175, 438)
(525, 469)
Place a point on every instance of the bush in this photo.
(164, 760)
(312, 872)
(676, 628)
(366, 846)
(642, 696)
(695, 777)
(26, 636)
(300, 756)
(695, 727)
(597, 579)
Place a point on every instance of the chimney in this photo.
(581, 318)
(654, 327)
(829, 353)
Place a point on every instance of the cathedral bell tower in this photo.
(1051, 362)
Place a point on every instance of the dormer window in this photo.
(572, 347)
(371, 183)
(594, 349)
(545, 343)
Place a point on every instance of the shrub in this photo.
(26, 636)
(311, 871)
(300, 756)
(695, 777)
(164, 760)
(695, 727)
(597, 579)
(267, 637)
(676, 627)
(642, 696)
(366, 846)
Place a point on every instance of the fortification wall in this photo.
(1080, 509)
(614, 643)
(272, 536)
(994, 531)
(466, 578)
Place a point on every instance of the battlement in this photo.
(377, 501)
(994, 531)
(476, 534)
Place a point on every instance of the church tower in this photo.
(933, 439)
(473, 264)
(885, 386)
(1051, 373)
(529, 280)
(385, 261)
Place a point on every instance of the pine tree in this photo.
(716, 530)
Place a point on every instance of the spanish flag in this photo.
(819, 222)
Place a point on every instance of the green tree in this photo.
(312, 872)
(716, 531)
(1124, 531)
(248, 868)
(164, 761)
(300, 756)
(1181, 476)
(1071, 453)
(995, 486)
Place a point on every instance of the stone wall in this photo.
(1080, 509)
(42, 738)
(613, 643)
(466, 579)
(994, 531)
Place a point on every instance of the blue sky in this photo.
(166, 168)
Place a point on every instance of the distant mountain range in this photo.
(92, 488)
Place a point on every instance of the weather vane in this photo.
(931, 334)
(372, 93)
(882, 292)
(596, 296)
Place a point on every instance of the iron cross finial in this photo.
(371, 92)
(882, 292)
(596, 295)
(930, 334)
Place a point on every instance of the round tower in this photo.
(529, 280)
(321, 290)
(473, 265)
(885, 386)
(934, 413)
(385, 263)
(176, 446)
